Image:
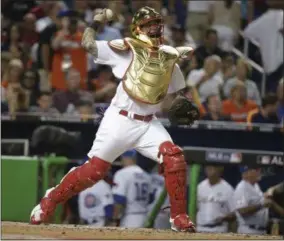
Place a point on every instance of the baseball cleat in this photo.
(182, 223)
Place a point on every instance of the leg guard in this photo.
(75, 181)
(174, 171)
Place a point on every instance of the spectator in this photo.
(106, 32)
(39, 11)
(207, 80)
(85, 110)
(179, 37)
(68, 52)
(214, 106)
(225, 18)
(84, 11)
(16, 10)
(29, 34)
(280, 95)
(13, 73)
(118, 19)
(238, 106)
(44, 106)
(267, 113)
(4, 108)
(13, 44)
(4, 29)
(228, 69)
(30, 83)
(45, 51)
(51, 10)
(267, 30)
(66, 100)
(104, 85)
(209, 47)
(5, 60)
(197, 19)
(188, 66)
(243, 71)
(17, 100)
(214, 196)
(135, 5)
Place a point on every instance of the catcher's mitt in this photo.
(183, 111)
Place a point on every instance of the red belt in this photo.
(145, 118)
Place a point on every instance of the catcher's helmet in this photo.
(147, 16)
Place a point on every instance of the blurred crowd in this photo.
(47, 74)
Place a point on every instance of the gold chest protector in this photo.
(149, 74)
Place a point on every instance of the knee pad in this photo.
(95, 169)
(173, 158)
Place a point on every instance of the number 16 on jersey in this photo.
(142, 191)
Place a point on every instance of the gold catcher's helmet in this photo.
(148, 16)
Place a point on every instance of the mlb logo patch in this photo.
(236, 157)
(265, 160)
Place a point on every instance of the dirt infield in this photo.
(13, 230)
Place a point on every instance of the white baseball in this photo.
(109, 14)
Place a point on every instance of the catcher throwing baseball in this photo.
(150, 74)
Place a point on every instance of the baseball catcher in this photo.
(150, 75)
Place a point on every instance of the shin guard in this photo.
(174, 170)
(75, 181)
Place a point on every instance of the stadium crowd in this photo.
(45, 71)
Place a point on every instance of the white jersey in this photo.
(157, 186)
(92, 202)
(133, 183)
(119, 62)
(213, 202)
(246, 195)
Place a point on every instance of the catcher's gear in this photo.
(173, 168)
(75, 181)
(147, 16)
(183, 111)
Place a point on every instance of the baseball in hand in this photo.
(109, 14)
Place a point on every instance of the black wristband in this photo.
(95, 25)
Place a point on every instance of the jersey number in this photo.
(141, 191)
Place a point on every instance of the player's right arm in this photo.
(88, 41)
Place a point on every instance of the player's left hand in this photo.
(183, 111)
